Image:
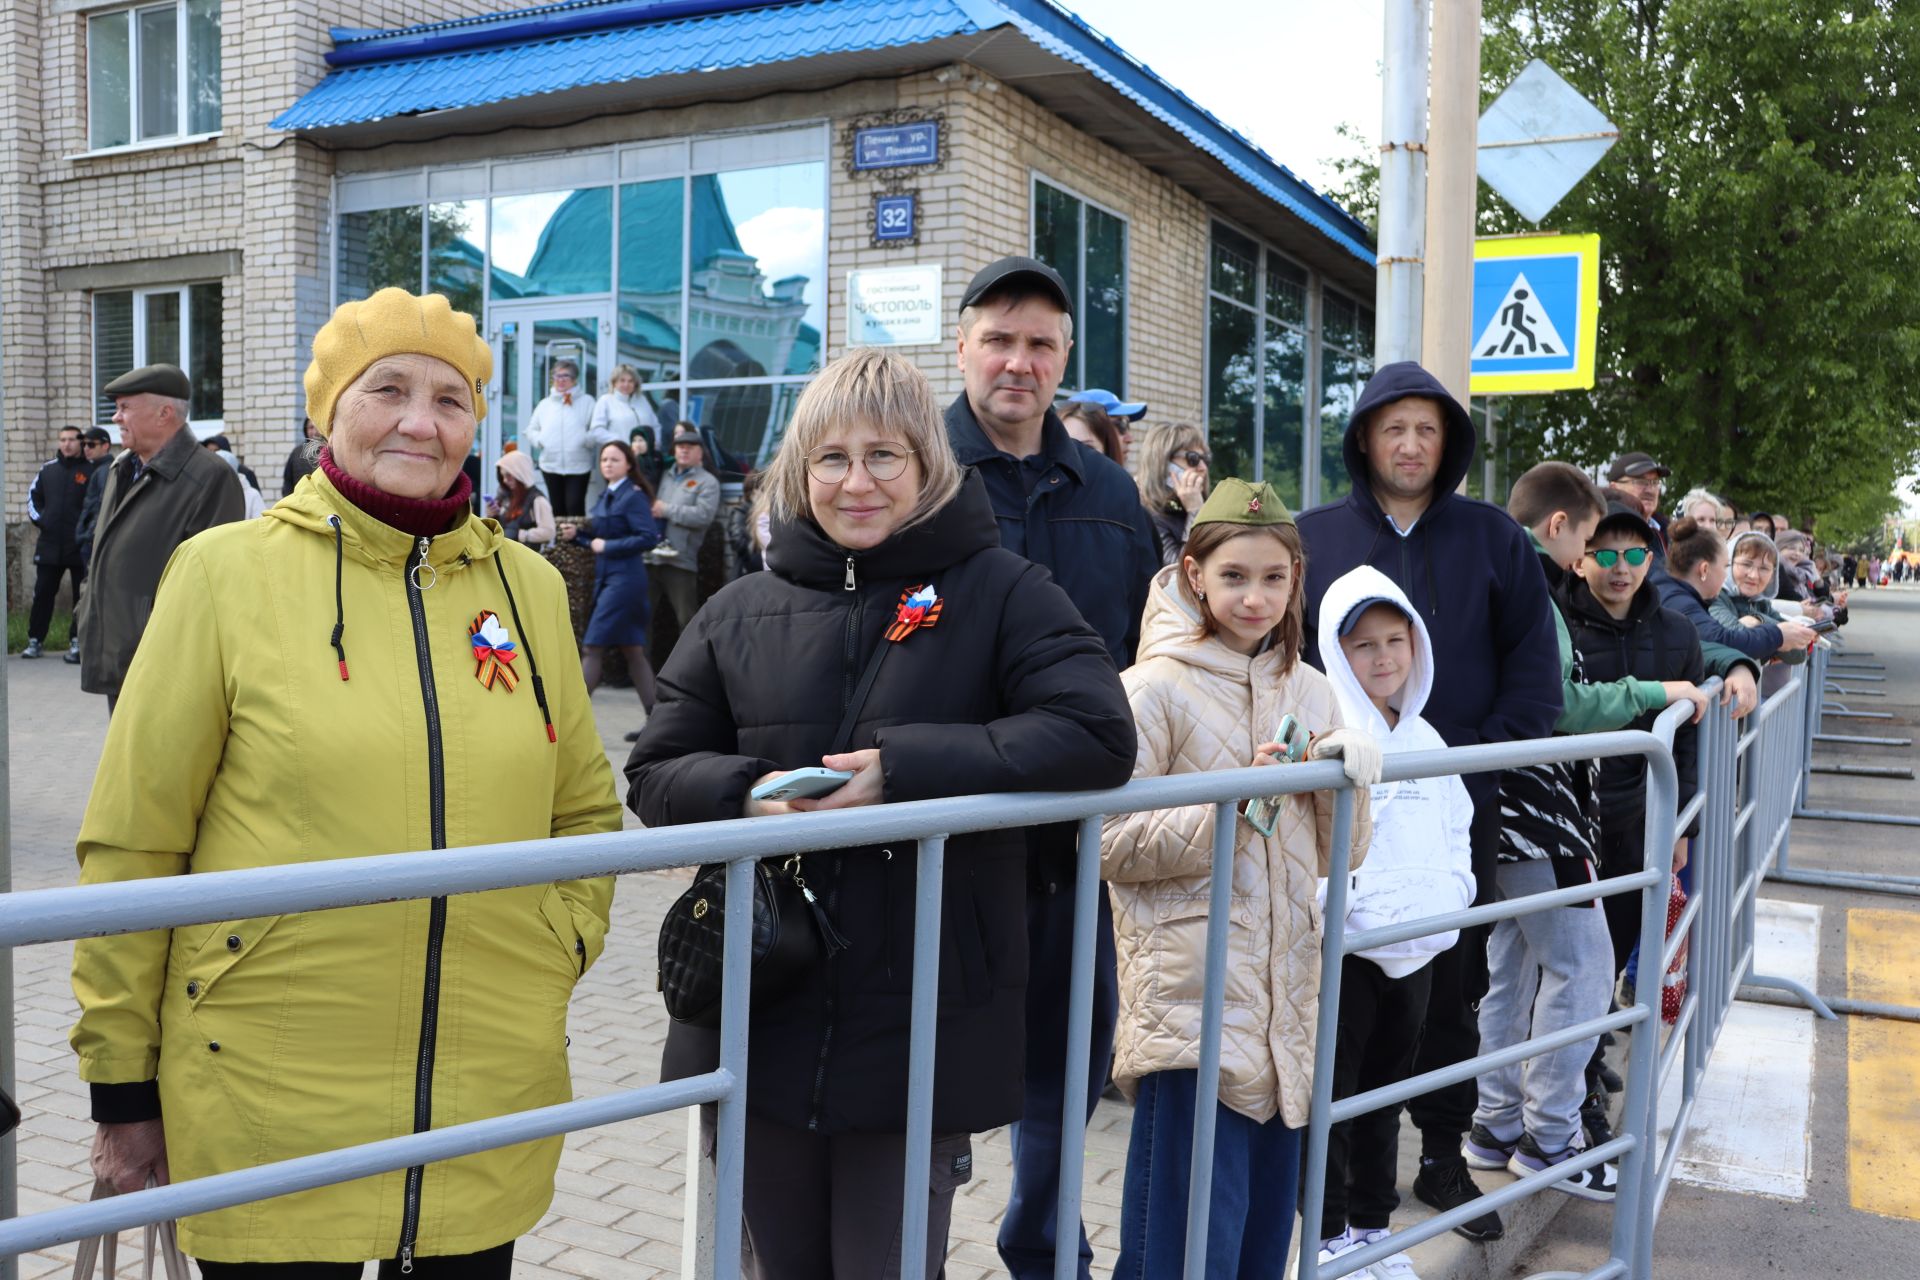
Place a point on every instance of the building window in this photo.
(1087, 245)
(179, 325)
(1346, 362)
(153, 72)
(1257, 355)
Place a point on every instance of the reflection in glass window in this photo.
(1258, 348)
(456, 253)
(1088, 247)
(178, 325)
(651, 261)
(204, 346)
(1346, 361)
(1232, 379)
(112, 346)
(1283, 411)
(203, 66)
(109, 81)
(553, 244)
(1236, 265)
(137, 62)
(756, 294)
(378, 249)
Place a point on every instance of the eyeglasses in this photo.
(1192, 457)
(1635, 556)
(1724, 526)
(1639, 482)
(830, 465)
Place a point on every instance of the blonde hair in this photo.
(876, 387)
(626, 371)
(1162, 441)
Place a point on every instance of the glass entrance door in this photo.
(528, 339)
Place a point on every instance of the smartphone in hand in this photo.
(802, 784)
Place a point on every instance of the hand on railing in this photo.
(126, 1155)
(1679, 854)
(1359, 754)
(1686, 691)
(1742, 690)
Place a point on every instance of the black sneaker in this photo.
(1445, 1184)
(1594, 1119)
(1601, 1182)
(1482, 1150)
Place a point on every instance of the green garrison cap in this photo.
(1240, 502)
(160, 379)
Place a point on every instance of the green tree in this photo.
(1759, 323)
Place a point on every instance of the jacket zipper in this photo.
(437, 916)
(851, 663)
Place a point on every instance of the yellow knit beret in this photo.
(392, 322)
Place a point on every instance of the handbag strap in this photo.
(844, 734)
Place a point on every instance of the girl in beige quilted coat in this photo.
(1219, 666)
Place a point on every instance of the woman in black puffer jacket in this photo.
(1007, 689)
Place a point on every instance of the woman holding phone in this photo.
(891, 619)
(1174, 479)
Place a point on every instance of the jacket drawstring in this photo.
(1433, 596)
(533, 666)
(339, 602)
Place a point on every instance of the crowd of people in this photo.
(951, 602)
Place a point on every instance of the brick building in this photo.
(691, 187)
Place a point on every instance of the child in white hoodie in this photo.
(1380, 662)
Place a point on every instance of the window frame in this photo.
(183, 291)
(1309, 328)
(183, 108)
(1077, 369)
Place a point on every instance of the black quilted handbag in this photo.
(792, 933)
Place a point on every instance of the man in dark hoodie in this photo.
(1476, 581)
(1066, 507)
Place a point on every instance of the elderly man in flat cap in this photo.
(160, 492)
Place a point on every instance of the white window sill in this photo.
(151, 144)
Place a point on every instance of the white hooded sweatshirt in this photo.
(1420, 863)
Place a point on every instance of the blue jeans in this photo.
(1256, 1187)
(1030, 1225)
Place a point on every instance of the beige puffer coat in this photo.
(1200, 706)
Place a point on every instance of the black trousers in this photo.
(568, 494)
(1380, 1021)
(1451, 1030)
(494, 1264)
(46, 585)
(1623, 851)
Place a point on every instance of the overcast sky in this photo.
(1285, 73)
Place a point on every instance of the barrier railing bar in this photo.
(1206, 1093)
(1867, 770)
(1670, 1158)
(1073, 1118)
(1859, 741)
(1412, 1087)
(303, 1173)
(929, 877)
(1505, 909)
(1676, 1042)
(1849, 815)
(1859, 673)
(730, 1116)
(1692, 811)
(1678, 934)
(1326, 1037)
(1795, 987)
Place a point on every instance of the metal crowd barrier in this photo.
(97, 911)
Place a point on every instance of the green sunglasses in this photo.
(1636, 556)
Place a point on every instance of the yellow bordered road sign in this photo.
(1536, 313)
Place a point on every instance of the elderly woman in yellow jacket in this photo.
(369, 669)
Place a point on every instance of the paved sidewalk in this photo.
(618, 1205)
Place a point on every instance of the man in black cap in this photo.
(1062, 505)
(160, 492)
(1639, 480)
(54, 503)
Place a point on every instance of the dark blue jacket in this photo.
(1469, 570)
(1758, 643)
(1083, 523)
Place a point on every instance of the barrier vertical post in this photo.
(730, 1118)
(1206, 1093)
(1073, 1118)
(1643, 1098)
(928, 876)
(1333, 946)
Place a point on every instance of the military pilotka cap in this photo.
(1237, 501)
(160, 379)
(1635, 464)
(1011, 272)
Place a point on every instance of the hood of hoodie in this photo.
(1170, 628)
(1763, 541)
(802, 552)
(1401, 381)
(1347, 593)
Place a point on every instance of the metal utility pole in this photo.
(1403, 184)
(1452, 161)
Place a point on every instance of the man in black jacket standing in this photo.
(1068, 508)
(53, 505)
(1477, 582)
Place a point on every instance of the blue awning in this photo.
(577, 46)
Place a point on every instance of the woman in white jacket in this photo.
(1219, 666)
(1380, 662)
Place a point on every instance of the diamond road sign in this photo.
(1536, 312)
(1539, 138)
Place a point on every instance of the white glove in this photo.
(1358, 753)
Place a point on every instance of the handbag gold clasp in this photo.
(700, 909)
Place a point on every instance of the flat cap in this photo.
(685, 433)
(1015, 273)
(160, 379)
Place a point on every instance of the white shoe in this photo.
(1344, 1243)
(1394, 1267)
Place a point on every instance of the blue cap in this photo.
(1113, 404)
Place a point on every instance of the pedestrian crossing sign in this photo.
(1536, 311)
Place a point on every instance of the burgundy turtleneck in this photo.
(419, 517)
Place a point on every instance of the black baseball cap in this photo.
(95, 435)
(1010, 272)
(1621, 515)
(1636, 464)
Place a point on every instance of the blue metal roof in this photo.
(494, 58)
